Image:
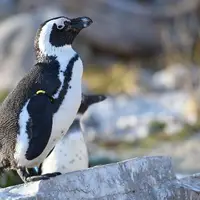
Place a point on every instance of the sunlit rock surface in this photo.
(147, 178)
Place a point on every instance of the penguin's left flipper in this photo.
(88, 100)
(39, 125)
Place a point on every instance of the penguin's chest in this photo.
(68, 108)
(67, 111)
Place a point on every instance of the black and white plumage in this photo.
(70, 153)
(30, 123)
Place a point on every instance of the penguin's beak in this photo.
(80, 23)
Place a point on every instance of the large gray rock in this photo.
(147, 178)
(7, 7)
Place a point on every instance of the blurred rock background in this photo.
(144, 54)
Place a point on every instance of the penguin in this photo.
(70, 153)
(43, 105)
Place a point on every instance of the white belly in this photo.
(70, 154)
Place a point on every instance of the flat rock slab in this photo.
(146, 178)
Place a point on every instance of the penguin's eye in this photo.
(60, 27)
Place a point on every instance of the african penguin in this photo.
(70, 153)
(42, 107)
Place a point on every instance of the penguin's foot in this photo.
(26, 177)
(42, 177)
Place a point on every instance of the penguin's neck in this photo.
(61, 54)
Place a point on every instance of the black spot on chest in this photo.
(66, 85)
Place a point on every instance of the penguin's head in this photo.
(58, 32)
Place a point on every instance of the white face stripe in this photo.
(43, 41)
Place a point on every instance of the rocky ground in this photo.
(146, 178)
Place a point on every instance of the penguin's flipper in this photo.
(88, 100)
(39, 125)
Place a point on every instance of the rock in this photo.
(180, 176)
(192, 182)
(146, 178)
(127, 119)
(7, 7)
(24, 6)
